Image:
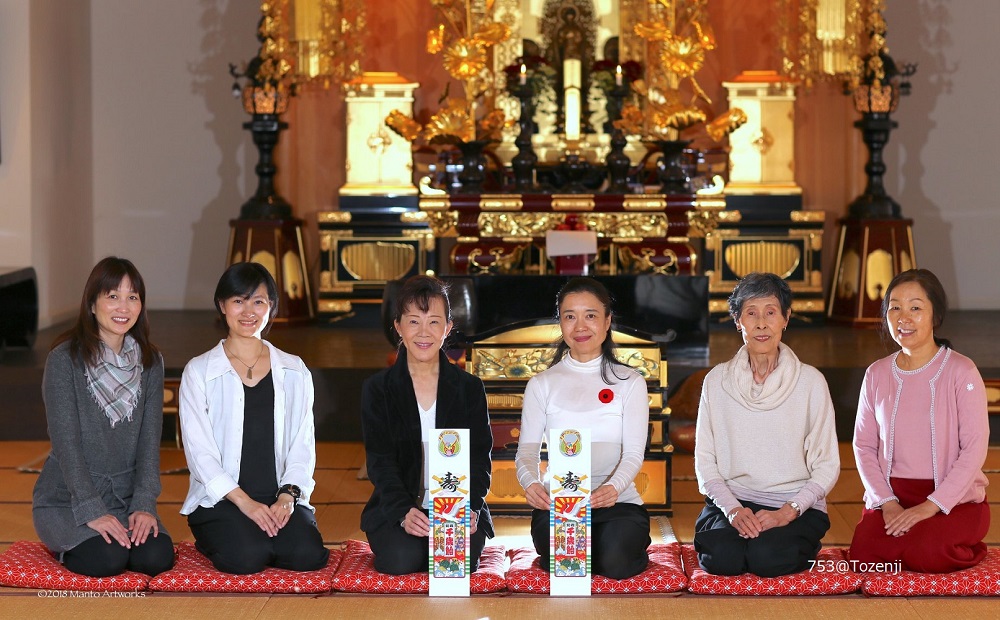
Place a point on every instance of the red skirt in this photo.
(941, 544)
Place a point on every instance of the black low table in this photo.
(19, 299)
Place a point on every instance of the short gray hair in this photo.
(756, 285)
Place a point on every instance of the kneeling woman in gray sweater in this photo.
(94, 503)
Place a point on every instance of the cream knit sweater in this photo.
(770, 447)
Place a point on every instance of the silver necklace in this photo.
(249, 366)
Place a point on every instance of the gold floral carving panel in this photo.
(522, 363)
(612, 225)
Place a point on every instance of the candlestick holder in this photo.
(614, 99)
(266, 203)
(523, 164)
(618, 164)
(575, 168)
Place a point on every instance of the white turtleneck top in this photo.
(567, 396)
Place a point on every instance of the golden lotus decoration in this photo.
(678, 36)
(464, 59)
(463, 37)
(450, 122)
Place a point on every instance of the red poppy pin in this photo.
(606, 396)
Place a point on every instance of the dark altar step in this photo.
(19, 299)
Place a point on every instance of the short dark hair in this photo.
(418, 291)
(935, 294)
(84, 337)
(242, 280)
(756, 285)
(598, 290)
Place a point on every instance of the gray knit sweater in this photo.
(93, 469)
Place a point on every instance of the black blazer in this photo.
(391, 426)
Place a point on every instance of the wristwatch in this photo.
(796, 508)
(291, 489)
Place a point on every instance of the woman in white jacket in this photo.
(249, 438)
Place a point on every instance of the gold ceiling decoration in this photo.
(329, 39)
(822, 40)
(273, 70)
(306, 42)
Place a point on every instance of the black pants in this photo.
(399, 553)
(777, 551)
(237, 545)
(619, 541)
(96, 558)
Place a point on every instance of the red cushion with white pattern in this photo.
(357, 573)
(982, 579)
(663, 574)
(832, 575)
(193, 572)
(31, 565)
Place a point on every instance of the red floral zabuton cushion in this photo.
(193, 572)
(663, 574)
(357, 573)
(980, 580)
(31, 565)
(832, 575)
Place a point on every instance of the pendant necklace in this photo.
(249, 366)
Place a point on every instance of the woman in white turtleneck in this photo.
(588, 387)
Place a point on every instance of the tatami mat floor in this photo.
(339, 498)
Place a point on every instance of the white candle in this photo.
(571, 73)
(618, 75)
(572, 110)
(524, 74)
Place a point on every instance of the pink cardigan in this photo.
(959, 429)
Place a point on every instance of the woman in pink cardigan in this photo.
(920, 441)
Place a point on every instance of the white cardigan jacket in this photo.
(211, 417)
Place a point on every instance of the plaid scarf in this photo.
(116, 381)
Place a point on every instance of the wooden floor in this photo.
(339, 498)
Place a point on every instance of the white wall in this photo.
(61, 142)
(942, 160)
(15, 135)
(172, 164)
(45, 129)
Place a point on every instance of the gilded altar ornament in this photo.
(464, 59)
(647, 260)
(435, 39)
(679, 36)
(631, 120)
(821, 40)
(463, 38)
(725, 124)
(450, 124)
(402, 124)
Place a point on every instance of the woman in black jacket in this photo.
(421, 391)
